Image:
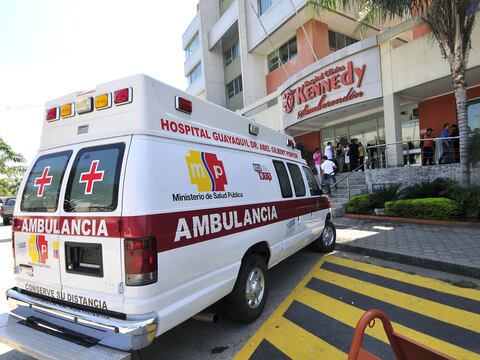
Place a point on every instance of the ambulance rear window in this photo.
(94, 179)
(43, 184)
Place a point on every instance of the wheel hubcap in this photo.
(327, 236)
(255, 288)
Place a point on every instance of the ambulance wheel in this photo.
(246, 301)
(326, 242)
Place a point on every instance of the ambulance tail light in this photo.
(14, 223)
(141, 261)
(183, 105)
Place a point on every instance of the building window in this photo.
(337, 41)
(234, 87)
(192, 46)
(283, 54)
(194, 74)
(264, 5)
(474, 116)
(231, 54)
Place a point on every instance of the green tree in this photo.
(11, 169)
(451, 23)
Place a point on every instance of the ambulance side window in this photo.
(44, 181)
(297, 179)
(94, 179)
(283, 179)
(312, 182)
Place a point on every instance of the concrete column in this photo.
(253, 65)
(393, 129)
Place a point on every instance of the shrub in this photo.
(467, 199)
(360, 204)
(426, 189)
(429, 208)
(381, 196)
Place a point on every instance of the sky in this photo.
(50, 48)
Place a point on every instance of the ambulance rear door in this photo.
(91, 248)
(35, 228)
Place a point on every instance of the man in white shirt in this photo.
(328, 167)
(329, 151)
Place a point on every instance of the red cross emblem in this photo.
(91, 176)
(43, 181)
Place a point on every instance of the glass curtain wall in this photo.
(368, 130)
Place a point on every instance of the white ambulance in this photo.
(145, 205)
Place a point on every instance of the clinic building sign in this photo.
(352, 80)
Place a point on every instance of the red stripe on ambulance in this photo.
(176, 229)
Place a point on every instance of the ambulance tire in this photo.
(326, 242)
(236, 305)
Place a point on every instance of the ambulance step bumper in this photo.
(34, 318)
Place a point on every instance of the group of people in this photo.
(341, 158)
(450, 148)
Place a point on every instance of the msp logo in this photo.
(38, 249)
(206, 171)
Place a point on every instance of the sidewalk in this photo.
(444, 248)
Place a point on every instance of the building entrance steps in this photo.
(357, 185)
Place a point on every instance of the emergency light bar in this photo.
(89, 104)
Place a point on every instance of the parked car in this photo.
(6, 211)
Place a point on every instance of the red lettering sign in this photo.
(322, 84)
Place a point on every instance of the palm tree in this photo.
(451, 23)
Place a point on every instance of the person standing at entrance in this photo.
(353, 152)
(346, 154)
(328, 167)
(445, 157)
(318, 159)
(329, 151)
(427, 147)
(361, 155)
(339, 155)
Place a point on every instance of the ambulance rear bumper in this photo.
(81, 326)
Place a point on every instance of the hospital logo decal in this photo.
(38, 249)
(262, 172)
(206, 171)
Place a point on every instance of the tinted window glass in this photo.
(93, 182)
(282, 175)
(10, 202)
(44, 182)
(312, 182)
(297, 179)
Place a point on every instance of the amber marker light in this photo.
(103, 101)
(66, 110)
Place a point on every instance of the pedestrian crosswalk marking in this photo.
(299, 343)
(428, 308)
(349, 315)
(408, 278)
